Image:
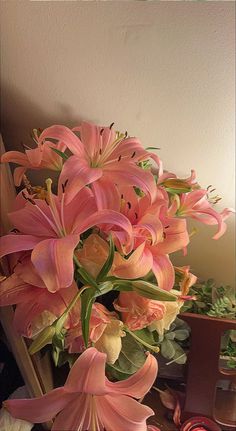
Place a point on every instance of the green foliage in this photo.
(173, 341)
(146, 335)
(86, 278)
(87, 299)
(131, 358)
(212, 300)
(221, 308)
(219, 302)
(61, 357)
(228, 348)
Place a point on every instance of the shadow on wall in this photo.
(19, 116)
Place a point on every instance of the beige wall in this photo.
(162, 70)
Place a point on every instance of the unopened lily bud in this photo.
(177, 185)
(149, 290)
(45, 337)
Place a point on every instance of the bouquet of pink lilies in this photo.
(91, 277)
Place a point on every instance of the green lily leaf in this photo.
(86, 278)
(60, 153)
(87, 300)
(108, 264)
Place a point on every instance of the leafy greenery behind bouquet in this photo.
(210, 300)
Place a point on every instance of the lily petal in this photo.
(34, 156)
(107, 217)
(131, 174)
(12, 243)
(139, 383)
(30, 215)
(79, 174)
(119, 413)
(106, 194)
(90, 136)
(13, 291)
(136, 266)
(53, 259)
(91, 368)
(41, 409)
(164, 271)
(25, 270)
(76, 415)
(64, 134)
(15, 157)
(18, 175)
(176, 237)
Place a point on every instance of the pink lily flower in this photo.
(197, 206)
(36, 307)
(52, 230)
(41, 157)
(89, 401)
(138, 312)
(101, 152)
(155, 236)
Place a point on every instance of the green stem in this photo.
(149, 346)
(76, 261)
(86, 277)
(174, 360)
(62, 318)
